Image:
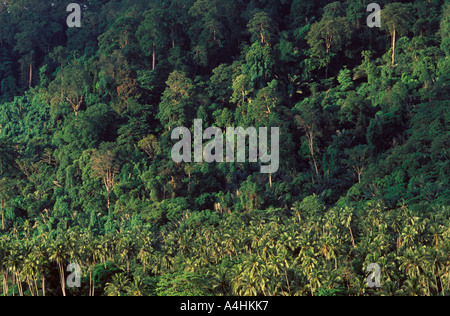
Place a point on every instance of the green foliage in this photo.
(262, 28)
(176, 107)
(181, 284)
(86, 175)
(327, 37)
(313, 206)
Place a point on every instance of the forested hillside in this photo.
(86, 174)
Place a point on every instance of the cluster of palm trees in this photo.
(258, 253)
(28, 263)
(303, 255)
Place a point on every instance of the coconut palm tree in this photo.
(118, 286)
(146, 251)
(136, 288)
(41, 256)
(413, 287)
(220, 281)
(346, 220)
(14, 261)
(59, 254)
(410, 264)
(5, 242)
(434, 264)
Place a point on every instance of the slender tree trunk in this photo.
(19, 284)
(35, 285)
(93, 285)
(394, 34)
(61, 277)
(3, 214)
(5, 283)
(172, 32)
(13, 282)
(31, 76)
(62, 80)
(43, 285)
(90, 283)
(311, 150)
(287, 281)
(3, 279)
(359, 172)
(328, 46)
(442, 285)
(30, 285)
(154, 58)
(448, 281)
(351, 235)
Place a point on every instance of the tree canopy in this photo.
(86, 174)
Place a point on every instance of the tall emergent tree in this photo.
(327, 37)
(105, 164)
(396, 19)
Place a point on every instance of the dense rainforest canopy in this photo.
(86, 175)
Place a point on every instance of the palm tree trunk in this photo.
(30, 285)
(61, 277)
(3, 279)
(90, 283)
(19, 284)
(5, 283)
(35, 285)
(13, 283)
(448, 281)
(43, 285)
